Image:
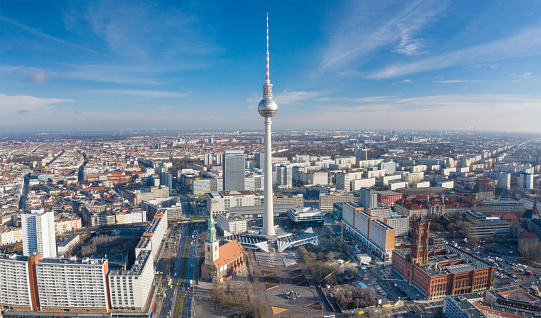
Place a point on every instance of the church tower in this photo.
(419, 244)
(212, 245)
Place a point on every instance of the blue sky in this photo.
(111, 65)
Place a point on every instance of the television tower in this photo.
(267, 108)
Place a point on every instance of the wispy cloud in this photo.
(24, 103)
(405, 81)
(120, 74)
(145, 93)
(39, 77)
(363, 30)
(489, 112)
(41, 34)
(294, 98)
(285, 98)
(525, 43)
(137, 29)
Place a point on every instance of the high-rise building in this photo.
(361, 153)
(38, 233)
(209, 158)
(233, 170)
(219, 158)
(284, 176)
(369, 198)
(267, 108)
(525, 181)
(260, 160)
(167, 180)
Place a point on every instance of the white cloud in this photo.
(284, 98)
(39, 77)
(294, 98)
(23, 103)
(524, 43)
(441, 112)
(527, 74)
(363, 30)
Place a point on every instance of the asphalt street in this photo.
(168, 304)
(187, 309)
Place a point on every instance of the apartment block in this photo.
(130, 288)
(73, 284)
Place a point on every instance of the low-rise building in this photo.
(481, 226)
(67, 244)
(306, 217)
(233, 223)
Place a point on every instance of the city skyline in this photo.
(370, 65)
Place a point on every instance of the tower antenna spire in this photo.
(268, 79)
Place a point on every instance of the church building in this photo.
(221, 262)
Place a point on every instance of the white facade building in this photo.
(233, 223)
(219, 202)
(130, 288)
(72, 284)
(10, 235)
(38, 233)
(14, 282)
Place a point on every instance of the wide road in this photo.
(187, 308)
(168, 305)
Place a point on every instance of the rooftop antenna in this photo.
(267, 80)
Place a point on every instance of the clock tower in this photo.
(419, 245)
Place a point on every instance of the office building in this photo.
(170, 205)
(259, 160)
(166, 179)
(38, 233)
(233, 223)
(233, 170)
(481, 226)
(306, 217)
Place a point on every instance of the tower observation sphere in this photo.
(267, 106)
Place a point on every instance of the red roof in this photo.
(528, 235)
(229, 252)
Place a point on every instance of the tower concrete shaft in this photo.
(268, 209)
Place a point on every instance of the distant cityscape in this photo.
(413, 221)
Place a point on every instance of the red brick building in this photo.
(389, 197)
(438, 271)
